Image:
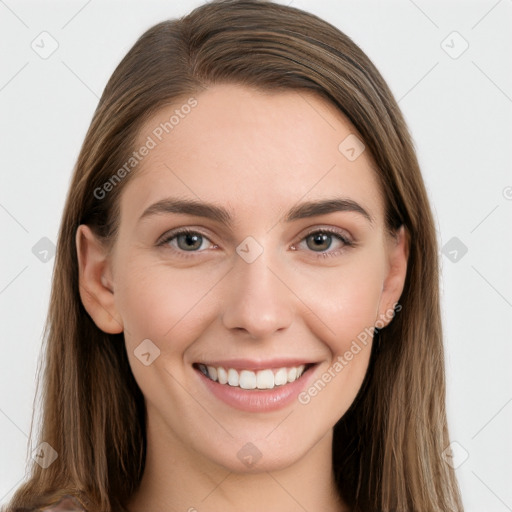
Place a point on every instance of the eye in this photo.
(320, 241)
(326, 242)
(186, 240)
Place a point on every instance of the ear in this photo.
(398, 253)
(95, 281)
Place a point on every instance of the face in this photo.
(265, 263)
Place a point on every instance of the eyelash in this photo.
(341, 237)
(186, 231)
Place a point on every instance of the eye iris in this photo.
(189, 241)
(321, 241)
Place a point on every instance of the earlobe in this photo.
(395, 280)
(95, 281)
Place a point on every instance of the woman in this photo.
(245, 307)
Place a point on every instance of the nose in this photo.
(257, 299)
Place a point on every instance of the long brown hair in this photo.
(387, 449)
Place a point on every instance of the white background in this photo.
(460, 114)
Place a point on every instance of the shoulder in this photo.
(65, 504)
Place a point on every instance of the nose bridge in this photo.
(257, 300)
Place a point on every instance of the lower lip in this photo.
(258, 400)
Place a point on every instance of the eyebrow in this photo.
(220, 214)
(323, 207)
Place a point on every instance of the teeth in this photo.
(221, 374)
(233, 377)
(247, 379)
(281, 377)
(212, 371)
(265, 379)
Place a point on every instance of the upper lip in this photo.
(252, 364)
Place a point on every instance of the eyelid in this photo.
(168, 235)
(164, 242)
(342, 233)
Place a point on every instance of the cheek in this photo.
(159, 302)
(173, 305)
(171, 308)
(345, 303)
(345, 306)
(344, 300)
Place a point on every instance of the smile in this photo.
(255, 386)
(248, 379)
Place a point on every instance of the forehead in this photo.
(257, 152)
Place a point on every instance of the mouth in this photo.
(255, 386)
(262, 379)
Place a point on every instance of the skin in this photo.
(257, 154)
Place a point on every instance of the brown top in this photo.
(65, 504)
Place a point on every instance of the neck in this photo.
(177, 479)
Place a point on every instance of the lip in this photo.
(257, 400)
